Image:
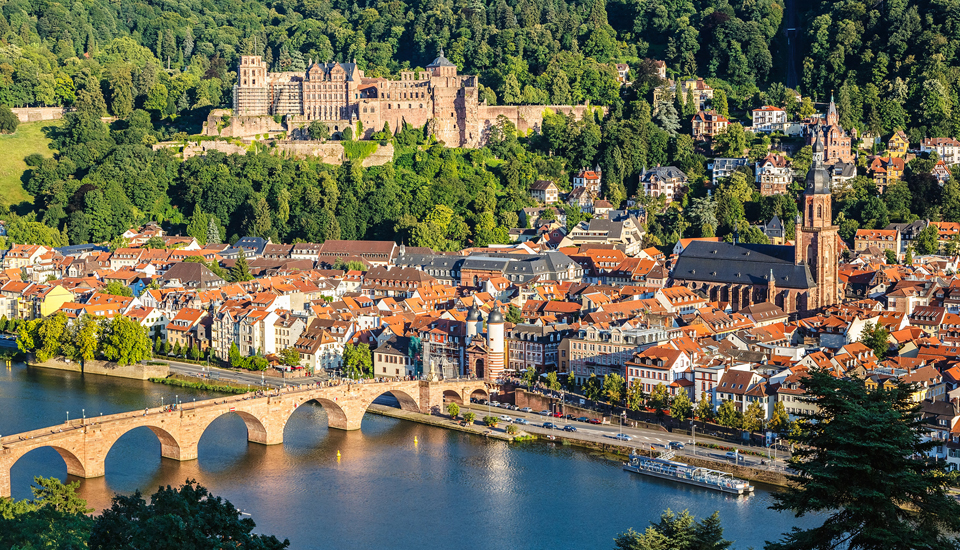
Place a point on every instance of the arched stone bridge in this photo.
(84, 443)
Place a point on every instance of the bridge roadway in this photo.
(84, 443)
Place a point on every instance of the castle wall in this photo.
(37, 114)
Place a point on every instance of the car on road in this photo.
(520, 421)
(545, 413)
(557, 415)
(505, 418)
(595, 421)
(623, 437)
(526, 410)
(549, 425)
(733, 455)
(676, 445)
(583, 419)
(569, 428)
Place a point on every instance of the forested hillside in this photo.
(154, 65)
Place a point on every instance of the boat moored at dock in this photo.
(664, 468)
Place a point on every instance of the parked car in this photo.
(545, 413)
(583, 419)
(570, 417)
(569, 428)
(595, 421)
(495, 404)
(623, 437)
(675, 445)
(526, 410)
(505, 418)
(557, 415)
(549, 425)
(520, 421)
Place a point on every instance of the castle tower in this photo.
(816, 239)
(250, 96)
(474, 324)
(495, 345)
(832, 116)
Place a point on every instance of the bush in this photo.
(512, 429)
(8, 120)
(491, 421)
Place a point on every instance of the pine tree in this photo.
(213, 231)
(667, 117)
(197, 228)
(240, 271)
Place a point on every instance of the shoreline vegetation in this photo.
(197, 383)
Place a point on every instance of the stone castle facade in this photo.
(340, 95)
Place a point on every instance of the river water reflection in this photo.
(449, 489)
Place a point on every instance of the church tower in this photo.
(816, 239)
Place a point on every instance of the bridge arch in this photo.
(75, 466)
(452, 396)
(336, 416)
(407, 401)
(480, 393)
(169, 443)
(256, 429)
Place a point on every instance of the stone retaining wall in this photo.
(38, 114)
(139, 371)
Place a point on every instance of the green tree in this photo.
(682, 408)
(731, 142)
(660, 400)
(290, 357)
(453, 410)
(469, 418)
(635, 396)
(491, 421)
(177, 350)
(213, 232)
(728, 415)
(780, 420)
(199, 222)
(55, 519)
(571, 381)
(552, 382)
(240, 271)
(87, 337)
(357, 359)
(754, 417)
(156, 99)
(927, 241)
(613, 388)
(116, 288)
(155, 243)
(318, 130)
(719, 103)
(184, 517)
(195, 352)
(529, 376)
(593, 388)
(704, 411)
(877, 338)
(868, 483)
(125, 342)
(51, 331)
(676, 532)
(513, 315)
(8, 120)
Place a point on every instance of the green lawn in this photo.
(29, 139)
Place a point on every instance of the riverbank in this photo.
(196, 383)
(615, 451)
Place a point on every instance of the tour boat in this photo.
(664, 468)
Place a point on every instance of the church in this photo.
(797, 278)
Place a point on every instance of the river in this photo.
(448, 489)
